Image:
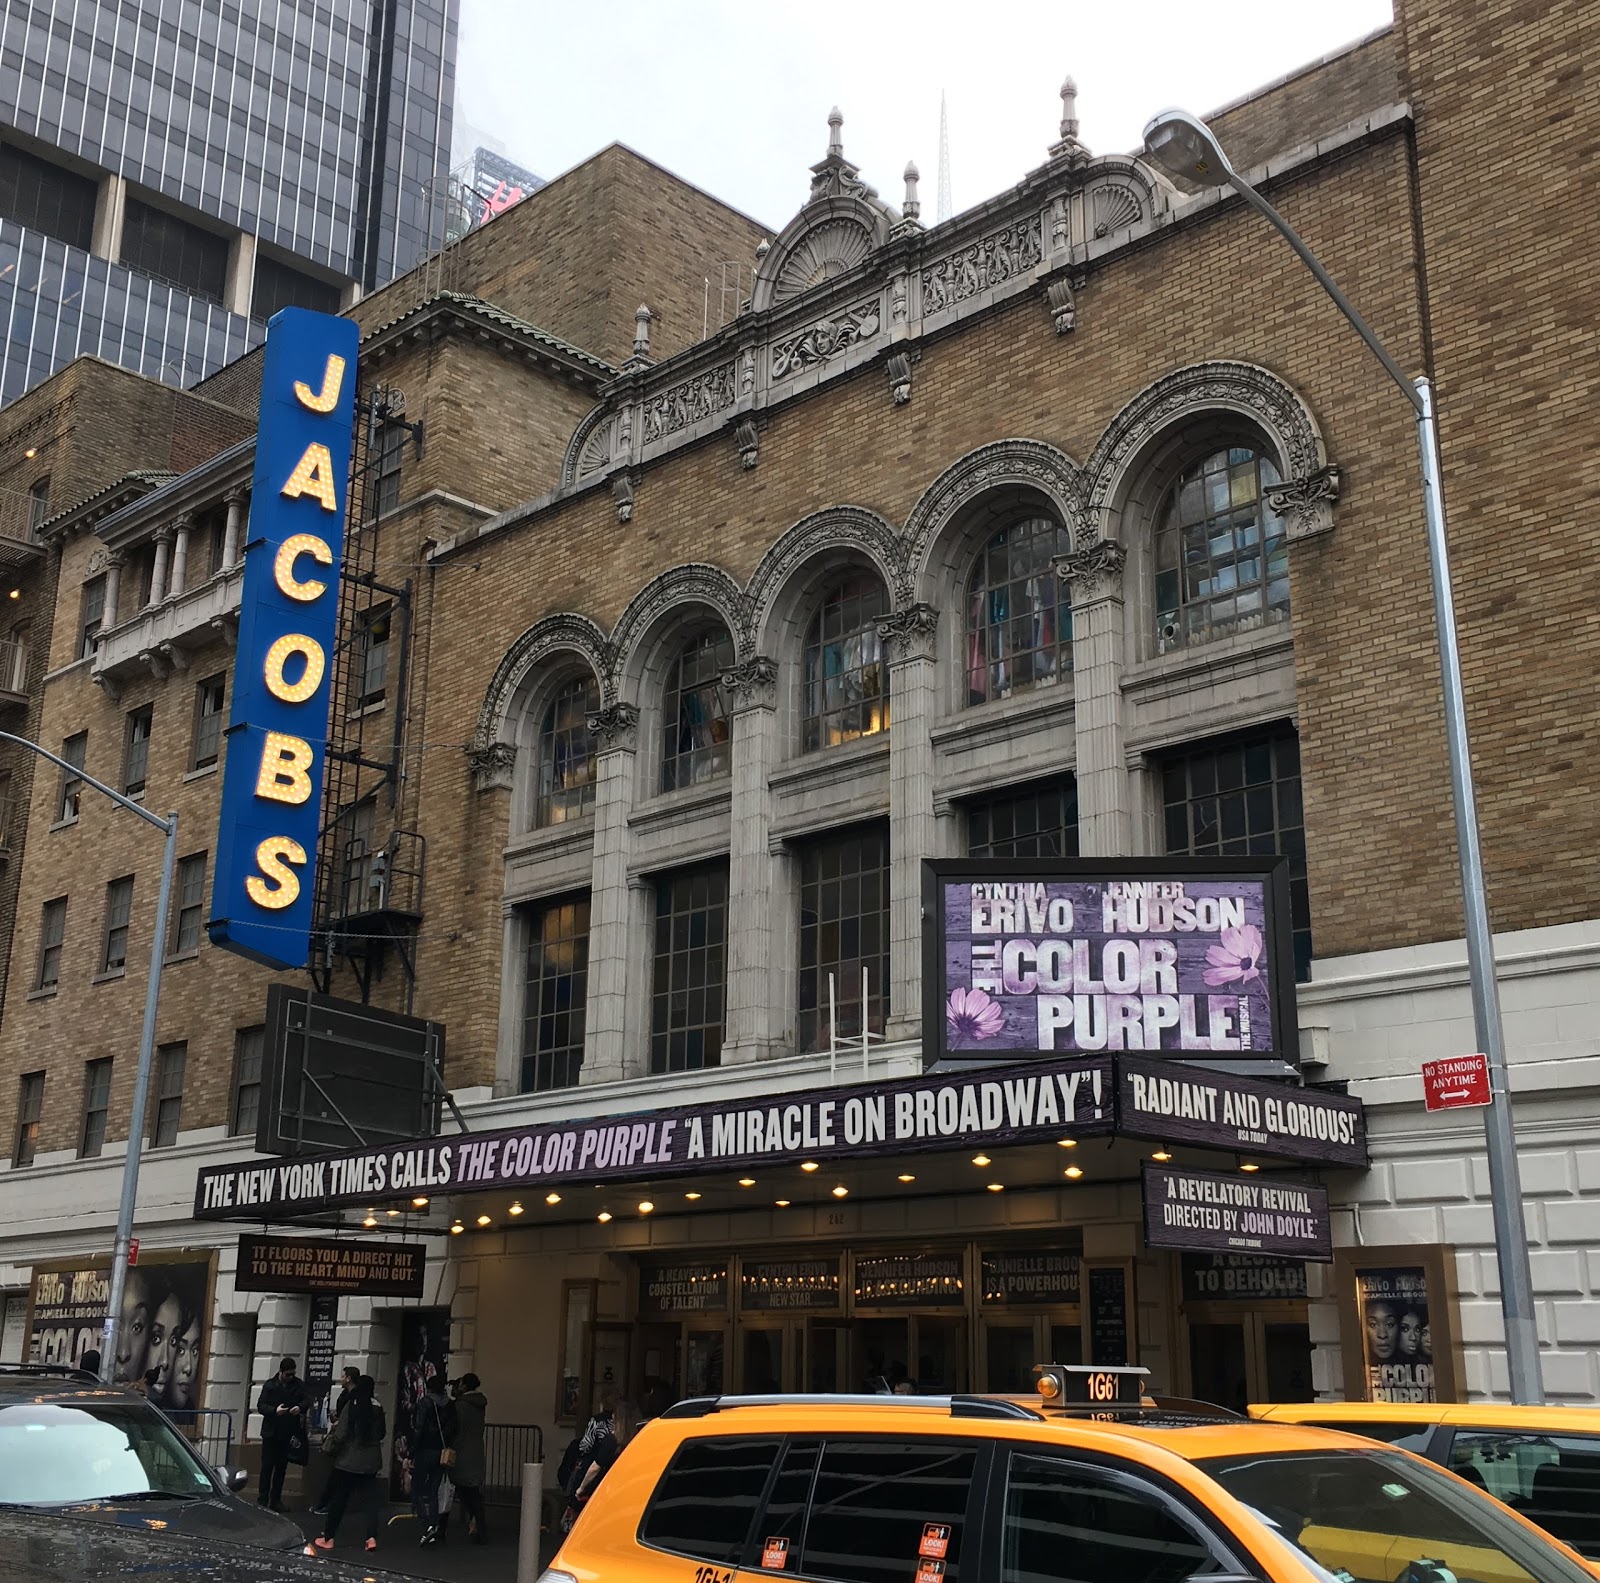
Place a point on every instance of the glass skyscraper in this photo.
(172, 172)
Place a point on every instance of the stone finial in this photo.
(763, 247)
(1069, 110)
(912, 208)
(641, 331)
(835, 134)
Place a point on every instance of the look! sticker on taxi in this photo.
(775, 1555)
(935, 1542)
(930, 1571)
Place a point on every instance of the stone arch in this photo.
(850, 528)
(694, 585)
(831, 236)
(589, 451)
(1030, 466)
(1212, 390)
(564, 633)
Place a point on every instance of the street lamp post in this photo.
(147, 1041)
(1184, 146)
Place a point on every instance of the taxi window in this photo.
(1382, 1517)
(775, 1544)
(1553, 1480)
(706, 1499)
(1409, 1437)
(1069, 1523)
(880, 1509)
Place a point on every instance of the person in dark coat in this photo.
(282, 1405)
(433, 1429)
(349, 1376)
(472, 1407)
(356, 1444)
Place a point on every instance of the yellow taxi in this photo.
(1083, 1482)
(1542, 1461)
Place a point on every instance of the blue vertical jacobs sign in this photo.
(261, 902)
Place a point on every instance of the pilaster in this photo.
(1105, 801)
(179, 580)
(115, 561)
(158, 572)
(235, 499)
(605, 1053)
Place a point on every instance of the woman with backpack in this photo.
(355, 1443)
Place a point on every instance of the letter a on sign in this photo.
(272, 814)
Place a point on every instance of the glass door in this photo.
(880, 1354)
(1253, 1355)
(1013, 1343)
(827, 1356)
(762, 1354)
(940, 1355)
(1219, 1362)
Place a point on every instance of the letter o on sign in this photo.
(310, 678)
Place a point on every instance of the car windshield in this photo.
(67, 1452)
(1383, 1517)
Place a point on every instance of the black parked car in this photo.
(70, 1444)
(44, 1547)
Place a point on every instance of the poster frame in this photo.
(1438, 1263)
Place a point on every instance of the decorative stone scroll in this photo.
(1094, 572)
(688, 403)
(993, 259)
(492, 765)
(910, 633)
(616, 726)
(825, 339)
(1306, 503)
(752, 684)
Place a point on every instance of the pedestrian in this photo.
(472, 1407)
(432, 1442)
(90, 1362)
(597, 1429)
(282, 1405)
(624, 1421)
(349, 1377)
(355, 1442)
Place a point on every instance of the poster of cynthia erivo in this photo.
(1089, 957)
(162, 1340)
(1396, 1338)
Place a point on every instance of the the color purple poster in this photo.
(1181, 963)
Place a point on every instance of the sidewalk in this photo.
(453, 1559)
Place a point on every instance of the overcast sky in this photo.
(734, 94)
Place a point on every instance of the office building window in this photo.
(92, 611)
(96, 1107)
(847, 683)
(30, 1107)
(208, 703)
(248, 1046)
(52, 932)
(567, 761)
(136, 749)
(171, 1059)
(390, 443)
(844, 934)
(696, 741)
(278, 286)
(557, 988)
(119, 908)
(1019, 621)
(172, 250)
(356, 828)
(691, 963)
(1222, 556)
(38, 505)
(1240, 797)
(44, 197)
(373, 638)
(1037, 820)
(190, 901)
(74, 750)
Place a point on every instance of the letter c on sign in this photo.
(292, 548)
(273, 857)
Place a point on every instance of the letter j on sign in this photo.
(277, 738)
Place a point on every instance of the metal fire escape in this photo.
(369, 886)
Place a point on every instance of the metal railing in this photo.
(208, 1429)
(506, 1447)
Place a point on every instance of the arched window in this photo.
(566, 753)
(1222, 557)
(1019, 622)
(847, 685)
(695, 743)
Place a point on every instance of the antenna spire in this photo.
(943, 210)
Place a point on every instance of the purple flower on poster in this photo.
(1236, 958)
(971, 1014)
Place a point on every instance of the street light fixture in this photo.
(147, 1042)
(1186, 147)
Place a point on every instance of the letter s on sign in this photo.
(273, 857)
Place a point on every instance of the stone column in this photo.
(605, 1056)
(115, 561)
(750, 1025)
(179, 580)
(110, 208)
(235, 499)
(158, 574)
(909, 636)
(241, 273)
(1105, 803)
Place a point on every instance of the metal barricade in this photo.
(506, 1448)
(208, 1429)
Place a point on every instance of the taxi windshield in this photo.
(66, 1453)
(1383, 1517)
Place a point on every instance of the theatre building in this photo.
(690, 655)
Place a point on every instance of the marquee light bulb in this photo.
(782, 1203)
(516, 1208)
(1162, 1154)
(391, 1213)
(604, 1217)
(980, 1159)
(906, 1176)
(484, 1220)
(646, 1207)
(1074, 1171)
(747, 1181)
(809, 1165)
(552, 1198)
(1067, 1143)
(997, 1187)
(1249, 1165)
(419, 1202)
(841, 1192)
(370, 1221)
(457, 1229)
(694, 1198)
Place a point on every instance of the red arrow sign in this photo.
(1458, 1080)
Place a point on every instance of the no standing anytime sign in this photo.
(1458, 1080)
